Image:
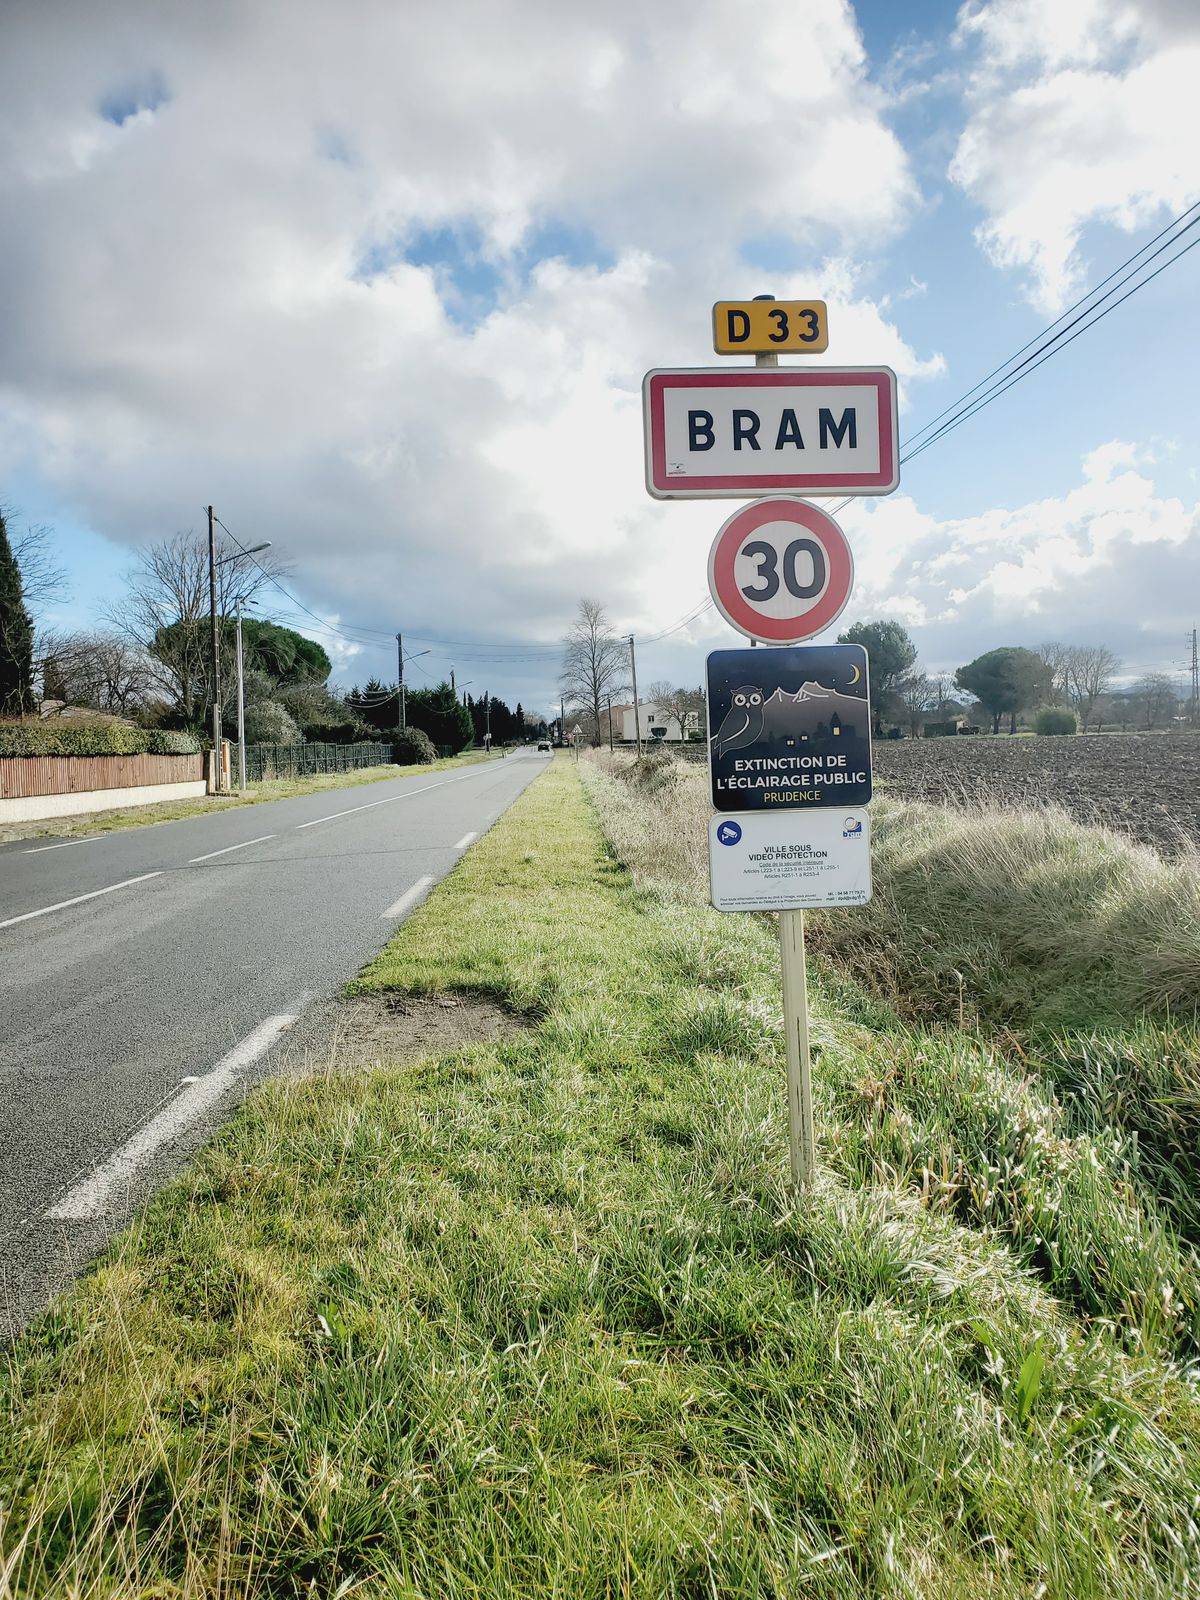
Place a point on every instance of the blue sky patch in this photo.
(142, 94)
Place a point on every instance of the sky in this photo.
(380, 282)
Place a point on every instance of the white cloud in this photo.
(1109, 562)
(1080, 112)
(188, 317)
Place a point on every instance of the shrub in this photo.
(1055, 719)
(92, 738)
(269, 723)
(412, 747)
(340, 733)
(171, 742)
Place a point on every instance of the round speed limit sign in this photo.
(780, 570)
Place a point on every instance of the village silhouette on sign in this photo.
(789, 728)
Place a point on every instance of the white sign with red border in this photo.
(713, 432)
(780, 570)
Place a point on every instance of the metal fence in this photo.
(301, 760)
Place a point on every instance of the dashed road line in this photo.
(245, 845)
(410, 897)
(465, 840)
(90, 1198)
(61, 905)
(65, 844)
(392, 798)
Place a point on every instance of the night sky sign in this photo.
(789, 728)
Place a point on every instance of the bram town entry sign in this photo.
(713, 432)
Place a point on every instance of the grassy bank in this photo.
(174, 810)
(1070, 955)
(540, 1318)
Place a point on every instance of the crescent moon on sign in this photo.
(857, 673)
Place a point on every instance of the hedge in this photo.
(92, 739)
(412, 747)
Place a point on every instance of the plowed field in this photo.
(1147, 786)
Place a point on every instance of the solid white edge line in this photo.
(245, 845)
(410, 897)
(44, 911)
(465, 840)
(90, 1198)
(484, 766)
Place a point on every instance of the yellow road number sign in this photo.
(758, 326)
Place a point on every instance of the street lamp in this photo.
(213, 564)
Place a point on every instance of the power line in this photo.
(1056, 347)
(962, 399)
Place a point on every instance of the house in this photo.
(656, 725)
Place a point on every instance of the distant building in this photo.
(656, 725)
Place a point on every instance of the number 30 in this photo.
(768, 569)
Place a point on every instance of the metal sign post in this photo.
(789, 728)
(802, 1136)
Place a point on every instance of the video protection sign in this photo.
(789, 728)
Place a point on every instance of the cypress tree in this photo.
(16, 636)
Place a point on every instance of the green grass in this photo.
(542, 1318)
(175, 810)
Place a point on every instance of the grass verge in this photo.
(540, 1317)
(174, 810)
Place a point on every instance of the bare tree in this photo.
(594, 664)
(677, 704)
(1155, 701)
(1089, 672)
(917, 695)
(43, 579)
(166, 607)
(1058, 661)
(105, 671)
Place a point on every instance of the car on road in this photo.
(544, 745)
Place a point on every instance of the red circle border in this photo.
(727, 597)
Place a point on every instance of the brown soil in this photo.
(1143, 785)
(380, 1030)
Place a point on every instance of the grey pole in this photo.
(400, 681)
(216, 658)
(637, 709)
(241, 705)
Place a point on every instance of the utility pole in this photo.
(453, 688)
(241, 704)
(637, 710)
(487, 713)
(216, 659)
(610, 737)
(1194, 709)
(562, 722)
(400, 681)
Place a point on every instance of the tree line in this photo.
(150, 660)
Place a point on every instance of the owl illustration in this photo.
(743, 722)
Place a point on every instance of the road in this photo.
(146, 976)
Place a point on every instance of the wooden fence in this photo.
(22, 777)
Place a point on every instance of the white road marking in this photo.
(245, 845)
(38, 849)
(410, 897)
(392, 798)
(465, 840)
(90, 1198)
(61, 905)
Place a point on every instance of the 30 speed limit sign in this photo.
(780, 570)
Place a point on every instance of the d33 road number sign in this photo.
(780, 570)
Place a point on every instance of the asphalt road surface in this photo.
(147, 977)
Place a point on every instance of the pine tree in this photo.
(16, 636)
